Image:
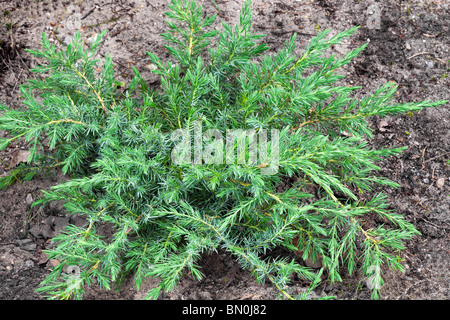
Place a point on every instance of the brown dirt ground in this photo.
(410, 47)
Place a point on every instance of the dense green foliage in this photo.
(117, 148)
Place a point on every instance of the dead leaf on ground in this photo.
(18, 156)
(43, 258)
(54, 262)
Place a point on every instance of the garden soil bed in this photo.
(408, 44)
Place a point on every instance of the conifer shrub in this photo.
(152, 164)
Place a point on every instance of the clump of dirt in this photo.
(408, 44)
(6, 53)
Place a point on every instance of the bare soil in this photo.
(409, 46)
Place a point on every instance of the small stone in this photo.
(35, 231)
(30, 247)
(151, 67)
(426, 181)
(22, 242)
(29, 199)
(29, 263)
(440, 182)
(408, 46)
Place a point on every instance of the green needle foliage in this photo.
(117, 148)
